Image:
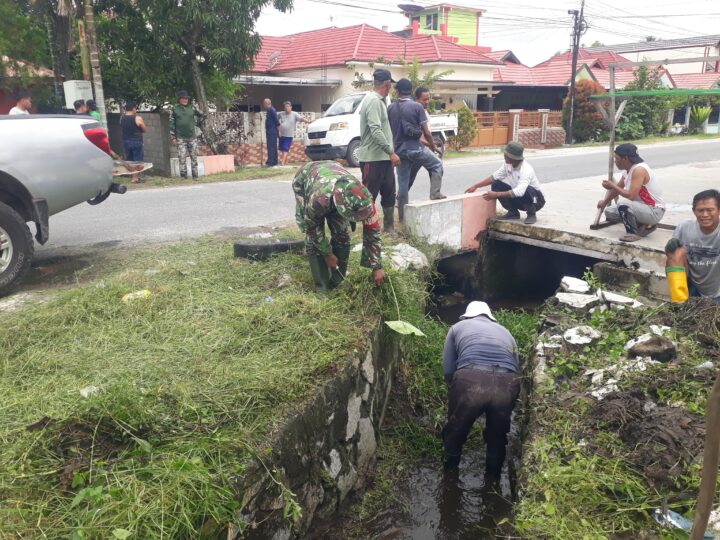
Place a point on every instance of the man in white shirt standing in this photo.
(644, 207)
(514, 185)
(24, 102)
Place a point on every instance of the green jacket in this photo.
(375, 135)
(183, 121)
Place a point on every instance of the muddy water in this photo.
(447, 505)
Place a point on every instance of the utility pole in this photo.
(579, 28)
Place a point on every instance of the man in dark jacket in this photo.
(183, 120)
(272, 124)
(480, 362)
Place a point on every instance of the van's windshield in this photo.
(346, 105)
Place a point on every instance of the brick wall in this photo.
(249, 155)
(156, 141)
(532, 138)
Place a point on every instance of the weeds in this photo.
(181, 386)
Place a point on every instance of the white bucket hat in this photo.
(476, 309)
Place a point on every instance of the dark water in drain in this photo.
(448, 505)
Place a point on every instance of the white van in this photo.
(337, 133)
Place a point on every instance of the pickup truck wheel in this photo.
(351, 157)
(16, 248)
(440, 144)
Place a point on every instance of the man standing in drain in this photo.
(324, 191)
(481, 364)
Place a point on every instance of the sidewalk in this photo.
(564, 223)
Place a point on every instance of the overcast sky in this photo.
(533, 32)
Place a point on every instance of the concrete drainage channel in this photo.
(326, 453)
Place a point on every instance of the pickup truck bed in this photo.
(48, 163)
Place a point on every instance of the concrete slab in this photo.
(564, 223)
(453, 222)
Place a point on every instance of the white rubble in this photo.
(705, 365)
(574, 285)
(577, 301)
(548, 342)
(581, 335)
(618, 299)
(640, 339)
(615, 372)
(405, 257)
(659, 330)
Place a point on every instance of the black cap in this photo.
(183, 93)
(404, 87)
(629, 151)
(382, 75)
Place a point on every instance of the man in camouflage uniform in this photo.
(183, 120)
(324, 191)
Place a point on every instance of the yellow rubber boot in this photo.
(677, 283)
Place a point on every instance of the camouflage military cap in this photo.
(352, 200)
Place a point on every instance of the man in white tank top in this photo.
(644, 207)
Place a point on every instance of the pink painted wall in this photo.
(476, 212)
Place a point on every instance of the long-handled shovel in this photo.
(611, 162)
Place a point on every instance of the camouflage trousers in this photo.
(339, 234)
(185, 148)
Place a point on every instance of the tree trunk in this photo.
(84, 55)
(206, 127)
(61, 27)
(95, 60)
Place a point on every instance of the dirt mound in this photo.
(661, 441)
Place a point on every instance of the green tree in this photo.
(597, 43)
(152, 48)
(698, 116)
(467, 129)
(588, 123)
(23, 40)
(644, 116)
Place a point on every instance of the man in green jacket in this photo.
(183, 119)
(376, 153)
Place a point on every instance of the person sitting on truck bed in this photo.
(23, 104)
(514, 185)
(644, 208)
(409, 122)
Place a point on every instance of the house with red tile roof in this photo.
(314, 68)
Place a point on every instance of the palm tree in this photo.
(95, 60)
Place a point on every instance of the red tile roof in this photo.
(361, 43)
(696, 80)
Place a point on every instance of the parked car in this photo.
(337, 133)
(47, 164)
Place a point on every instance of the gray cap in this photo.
(514, 150)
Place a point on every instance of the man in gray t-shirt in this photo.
(693, 253)
(480, 362)
(288, 121)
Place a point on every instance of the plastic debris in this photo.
(673, 520)
(268, 299)
(89, 391)
(129, 297)
(574, 285)
(706, 365)
(405, 257)
(659, 330)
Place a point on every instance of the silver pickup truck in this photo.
(47, 164)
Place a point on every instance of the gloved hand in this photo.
(672, 245)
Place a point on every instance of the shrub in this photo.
(467, 129)
(588, 123)
(698, 116)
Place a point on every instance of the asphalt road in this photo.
(168, 214)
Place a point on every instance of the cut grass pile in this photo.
(133, 419)
(599, 468)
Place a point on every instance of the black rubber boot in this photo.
(320, 273)
(389, 219)
(343, 255)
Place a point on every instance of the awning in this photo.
(267, 80)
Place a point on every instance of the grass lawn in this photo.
(132, 419)
(247, 173)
